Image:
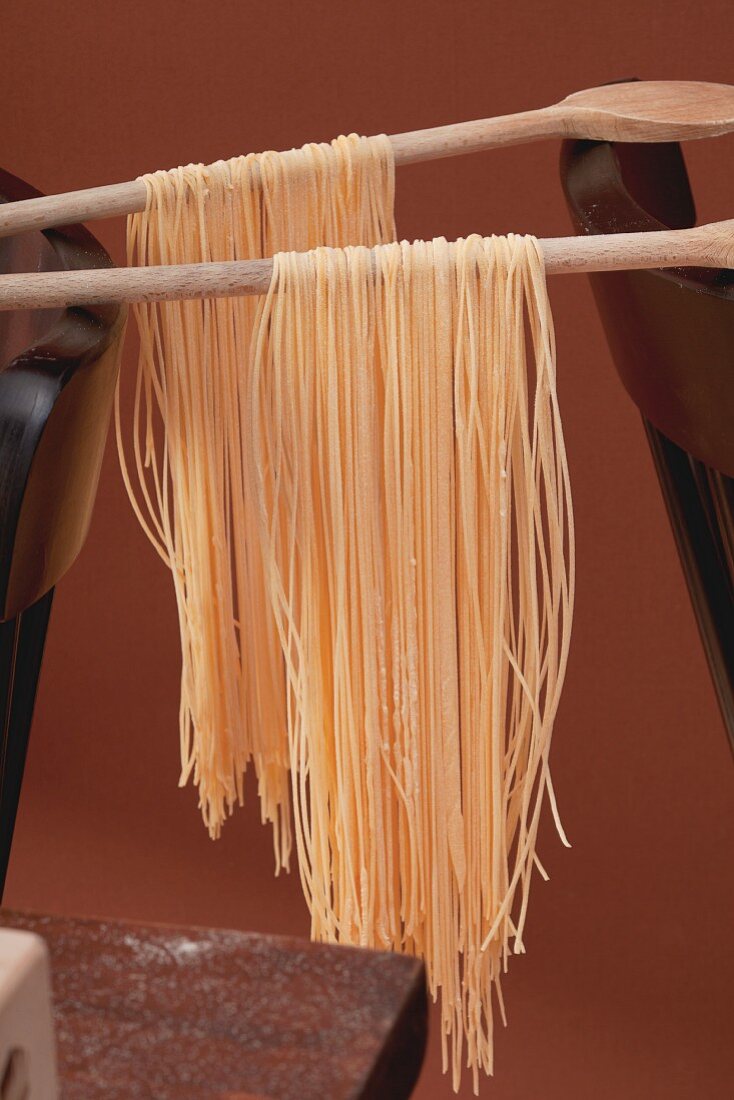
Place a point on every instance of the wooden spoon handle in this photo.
(702, 246)
(483, 133)
(418, 145)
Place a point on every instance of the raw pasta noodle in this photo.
(417, 534)
(189, 483)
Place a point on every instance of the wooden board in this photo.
(183, 1014)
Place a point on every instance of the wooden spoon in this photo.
(709, 245)
(645, 110)
(641, 110)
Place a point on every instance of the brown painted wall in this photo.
(626, 987)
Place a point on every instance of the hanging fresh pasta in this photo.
(360, 487)
(417, 534)
(189, 485)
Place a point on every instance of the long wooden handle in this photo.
(704, 246)
(433, 144)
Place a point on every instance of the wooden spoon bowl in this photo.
(650, 110)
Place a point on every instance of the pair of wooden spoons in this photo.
(646, 111)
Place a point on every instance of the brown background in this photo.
(626, 987)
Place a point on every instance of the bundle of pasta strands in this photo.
(418, 539)
(187, 477)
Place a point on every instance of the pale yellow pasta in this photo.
(190, 486)
(416, 528)
(360, 486)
